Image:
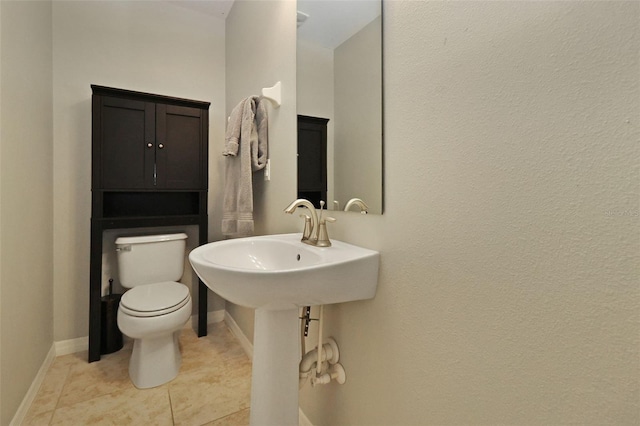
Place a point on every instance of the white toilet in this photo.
(156, 307)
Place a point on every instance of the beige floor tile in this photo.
(211, 392)
(240, 418)
(213, 385)
(76, 358)
(203, 352)
(90, 380)
(47, 397)
(128, 407)
(34, 418)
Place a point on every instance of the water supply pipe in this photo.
(320, 324)
(336, 372)
(304, 327)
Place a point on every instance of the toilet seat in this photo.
(152, 300)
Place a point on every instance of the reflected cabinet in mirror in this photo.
(339, 103)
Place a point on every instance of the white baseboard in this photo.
(212, 318)
(21, 413)
(66, 347)
(215, 316)
(242, 339)
(302, 419)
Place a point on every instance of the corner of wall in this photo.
(249, 34)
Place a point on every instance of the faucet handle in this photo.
(323, 235)
(308, 227)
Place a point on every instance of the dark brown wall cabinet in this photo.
(312, 159)
(145, 145)
(149, 168)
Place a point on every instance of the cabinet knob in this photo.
(149, 145)
(160, 146)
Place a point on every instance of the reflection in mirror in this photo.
(339, 102)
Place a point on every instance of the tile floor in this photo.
(212, 388)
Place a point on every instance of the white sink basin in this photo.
(275, 275)
(278, 272)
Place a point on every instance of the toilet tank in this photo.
(150, 258)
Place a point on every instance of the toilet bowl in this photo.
(156, 358)
(153, 313)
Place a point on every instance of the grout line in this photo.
(66, 378)
(224, 417)
(173, 417)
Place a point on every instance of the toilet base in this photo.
(155, 361)
(156, 352)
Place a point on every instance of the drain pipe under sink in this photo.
(327, 352)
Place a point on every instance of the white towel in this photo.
(246, 148)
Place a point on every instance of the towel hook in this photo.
(273, 94)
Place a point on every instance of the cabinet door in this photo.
(127, 143)
(312, 159)
(180, 147)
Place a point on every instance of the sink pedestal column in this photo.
(274, 378)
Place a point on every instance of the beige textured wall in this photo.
(314, 94)
(2, 410)
(155, 47)
(358, 106)
(260, 50)
(26, 204)
(510, 243)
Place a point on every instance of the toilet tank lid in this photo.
(150, 238)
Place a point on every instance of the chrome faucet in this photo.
(315, 230)
(364, 209)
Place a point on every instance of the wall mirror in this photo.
(339, 103)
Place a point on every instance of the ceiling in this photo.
(330, 22)
(218, 8)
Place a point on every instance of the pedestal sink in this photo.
(275, 275)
